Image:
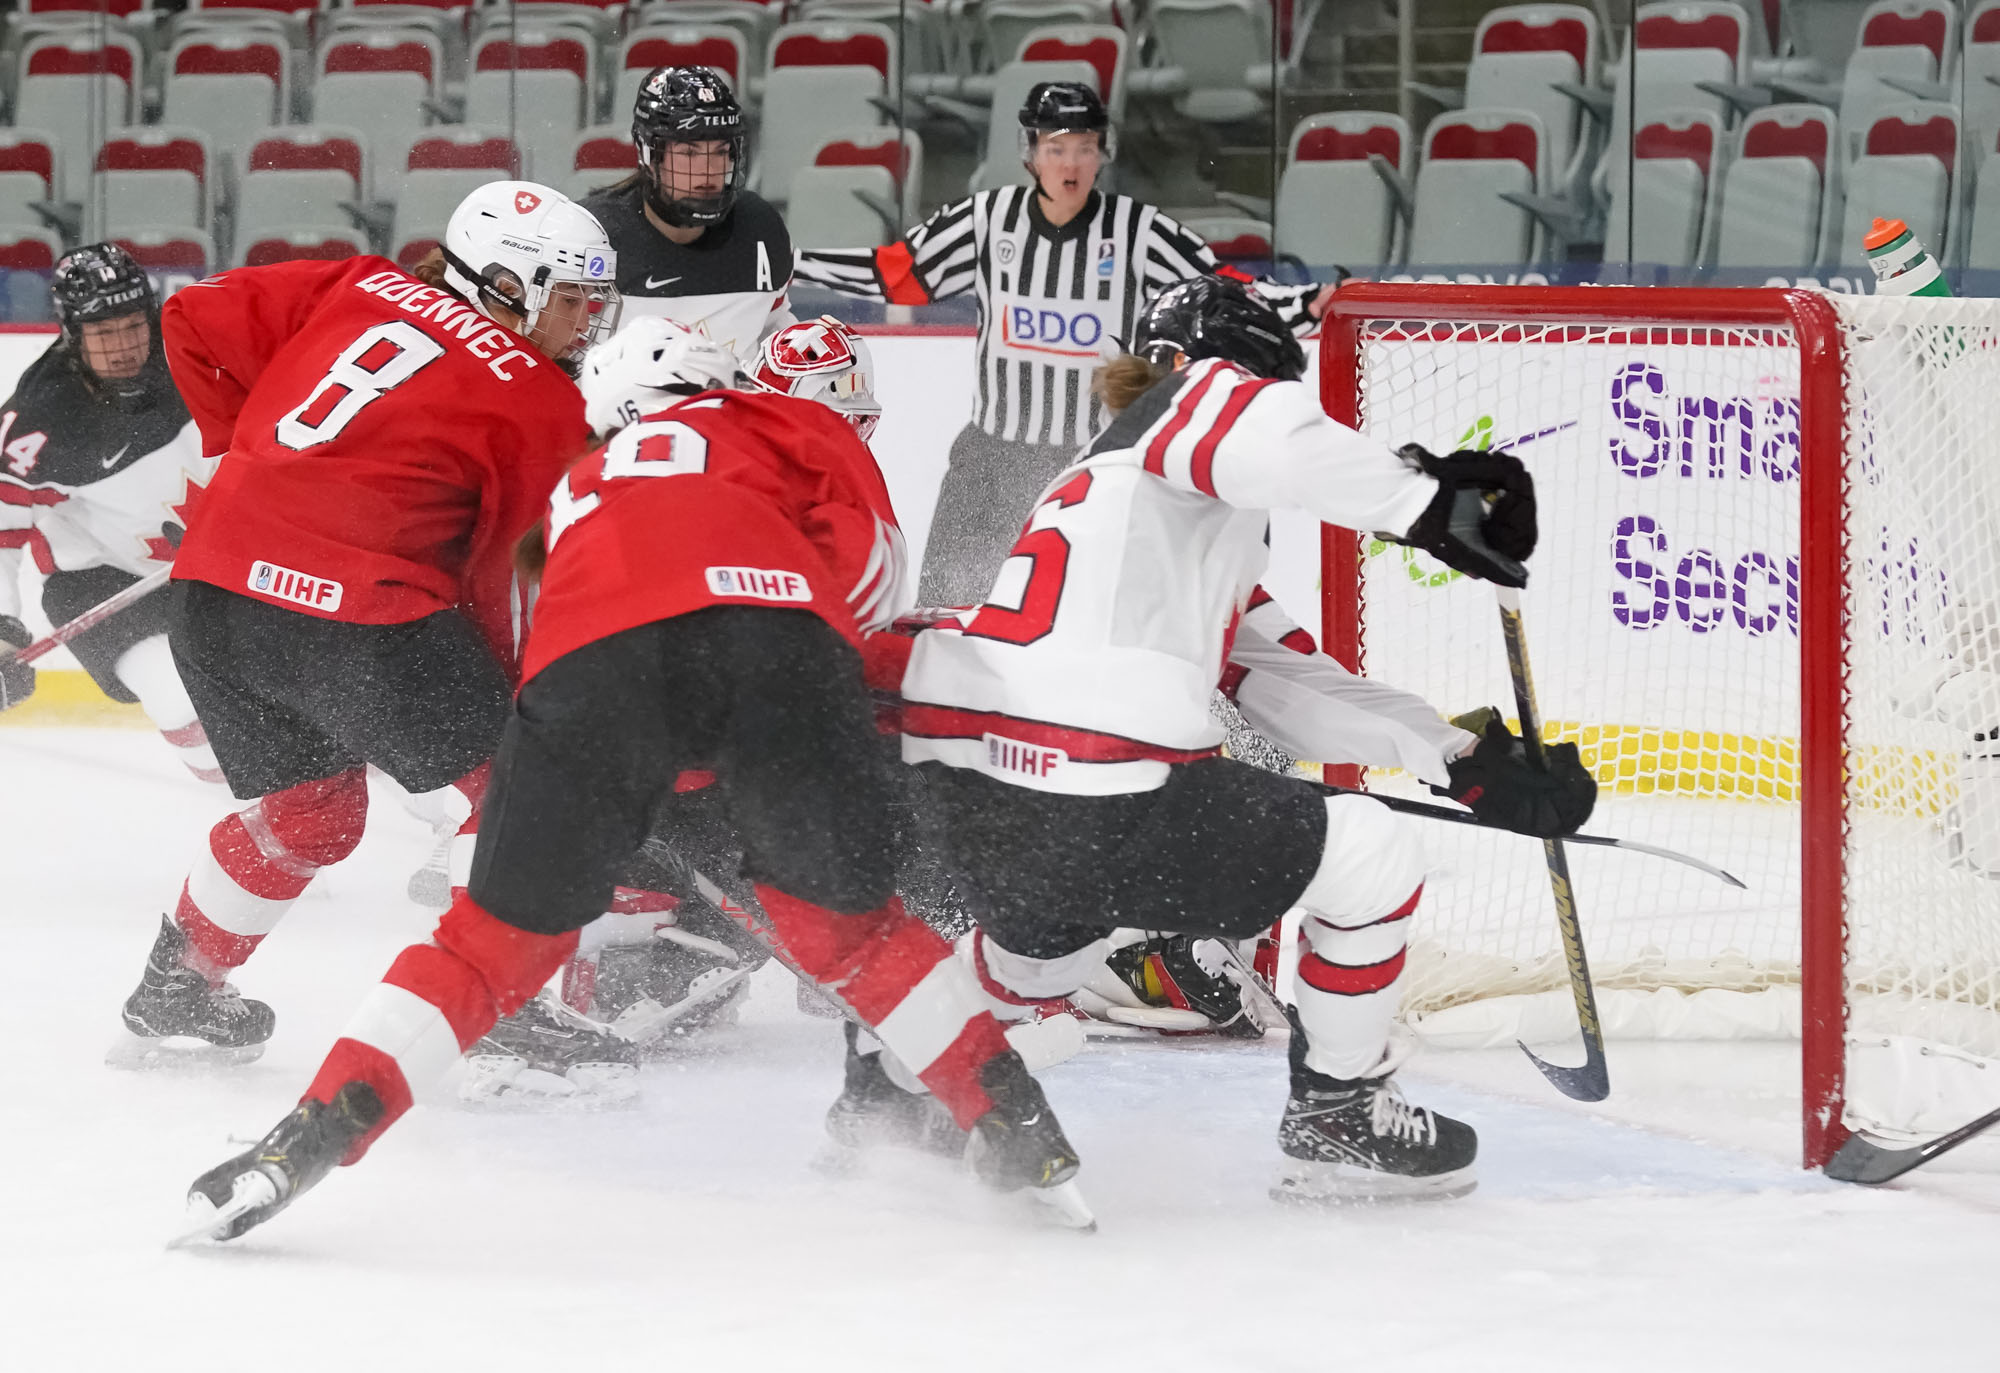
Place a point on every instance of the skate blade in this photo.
(207, 1222)
(176, 1054)
(645, 1023)
(1062, 1206)
(497, 1082)
(1306, 1183)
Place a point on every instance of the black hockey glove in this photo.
(1497, 783)
(1482, 521)
(17, 680)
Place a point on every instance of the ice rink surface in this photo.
(1669, 1228)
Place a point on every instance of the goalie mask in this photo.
(1214, 317)
(110, 322)
(535, 253)
(823, 360)
(647, 366)
(688, 129)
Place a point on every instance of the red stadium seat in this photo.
(302, 247)
(29, 250)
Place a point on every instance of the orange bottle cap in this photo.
(1883, 233)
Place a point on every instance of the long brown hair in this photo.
(1124, 379)
(430, 271)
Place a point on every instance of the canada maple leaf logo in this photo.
(179, 512)
(525, 202)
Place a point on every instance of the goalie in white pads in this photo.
(1065, 730)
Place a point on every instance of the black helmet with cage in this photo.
(1214, 317)
(1064, 107)
(101, 281)
(687, 105)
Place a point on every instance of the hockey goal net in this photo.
(1766, 607)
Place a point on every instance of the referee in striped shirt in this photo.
(1060, 270)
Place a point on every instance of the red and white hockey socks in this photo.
(435, 1002)
(148, 672)
(1352, 940)
(900, 979)
(257, 863)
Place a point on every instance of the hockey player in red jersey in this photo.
(343, 598)
(1064, 724)
(712, 576)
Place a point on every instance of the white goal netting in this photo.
(1663, 622)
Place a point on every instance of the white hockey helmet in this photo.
(824, 360)
(646, 365)
(518, 246)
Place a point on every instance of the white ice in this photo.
(1670, 1228)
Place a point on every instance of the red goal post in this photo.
(1363, 315)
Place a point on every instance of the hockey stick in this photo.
(1466, 817)
(91, 618)
(1872, 1164)
(1591, 1082)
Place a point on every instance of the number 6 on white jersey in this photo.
(350, 384)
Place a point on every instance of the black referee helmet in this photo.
(1064, 107)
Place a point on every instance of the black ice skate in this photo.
(258, 1183)
(671, 988)
(874, 1113)
(545, 1054)
(176, 1018)
(1359, 1139)
(1019, 1145)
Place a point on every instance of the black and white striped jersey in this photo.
(1054, 302)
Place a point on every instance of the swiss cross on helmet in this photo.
(691, 106)
(527, 250)
(101, 281)
(1214, 317)
(823, 360)
(1064, 107)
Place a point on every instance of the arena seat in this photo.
(1523, 56)
(858, 191)
(1781, 191)
(1233, 238)
(1335, 203)
(1903, 53)
(601, 157)
(1979, 69)
(30, 250)
(443, 167)
(157, 175)
(820, 76)
(298, 179)
(77, 87)
(540, 82)
(1677, 164)
(228, 85)
(379, 84)
(168, 248)
(752, 20)
(1472, 160)
(29, 172)
(301, 244)
(1906, 170)
(1213, 46)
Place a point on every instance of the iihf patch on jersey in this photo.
(1029, 760)
(316, 593)
(760, 583)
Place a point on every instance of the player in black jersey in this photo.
(99, 463)
(692, 244)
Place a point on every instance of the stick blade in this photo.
(1591, 1082)
(1870, 1164)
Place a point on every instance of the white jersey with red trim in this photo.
(1134, 584)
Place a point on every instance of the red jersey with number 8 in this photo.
(384, 443)
(728, 498)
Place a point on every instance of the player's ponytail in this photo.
(430, 271)
(1124, 379)
(531, 554)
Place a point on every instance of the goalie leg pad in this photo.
(1353, 937)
